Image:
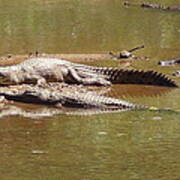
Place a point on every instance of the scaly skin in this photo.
(41, 70)
(64, 95)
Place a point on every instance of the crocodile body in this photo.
(42, 69)
(153, 6)
(61, 94)
(169, 62)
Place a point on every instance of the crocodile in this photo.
(64, 95)
(42, 112)
(41, 70)
(45, 111)
(169, 62)
(153, 6)
(66, 99)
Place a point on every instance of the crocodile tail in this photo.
(149, 77)
(89, 100)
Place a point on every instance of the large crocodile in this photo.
(66, 99)
(42, 69)
(61, 94)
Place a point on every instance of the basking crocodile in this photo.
(39, 70)
(66, 99)
(169, 62)
(60, 94)
(153, 6)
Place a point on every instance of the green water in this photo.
(121, 146)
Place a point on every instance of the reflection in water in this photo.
(124, 91)
(45, 112)
(119, 91)
(108, 146)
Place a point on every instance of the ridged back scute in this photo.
(125, 76)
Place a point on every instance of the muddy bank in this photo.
(123, 56)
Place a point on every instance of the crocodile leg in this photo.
(88, 80)
(34, 69)
(116, 75)
(40, 81)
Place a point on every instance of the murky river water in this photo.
(127, 145)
